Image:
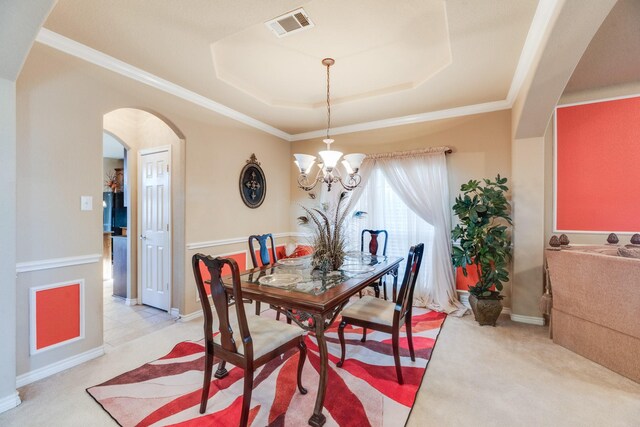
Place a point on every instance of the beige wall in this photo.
(61, 102)
(8, 233)
(481, 149)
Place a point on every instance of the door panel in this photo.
(155, 234)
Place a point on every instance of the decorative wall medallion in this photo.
(253, 184)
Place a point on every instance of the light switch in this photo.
(86, 203)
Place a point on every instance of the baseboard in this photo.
(131, 301)
(463, 296)
(531, 320)
(174, 312)
(9, 402)
(62, 365)
(190, 316)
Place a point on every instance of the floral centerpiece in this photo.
(329, 237)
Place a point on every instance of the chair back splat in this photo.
(405, 296)
(262, 240)
(221, 301)
(374, 243)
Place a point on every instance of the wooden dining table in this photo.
(313, 300)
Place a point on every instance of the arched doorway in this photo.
(153, 251)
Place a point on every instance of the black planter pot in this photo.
(485, 310)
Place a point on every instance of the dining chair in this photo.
(265, 258)
(386, 316)
(374, 246)
(245, 342)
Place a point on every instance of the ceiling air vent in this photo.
(291, 22)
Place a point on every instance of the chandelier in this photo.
(328, 172)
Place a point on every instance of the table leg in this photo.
(318, 419)
(395, 284)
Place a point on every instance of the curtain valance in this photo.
(409, 154)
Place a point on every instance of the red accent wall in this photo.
(462, 282)
(240, 258)
(598, 166)
(57, 315)
(280, 253)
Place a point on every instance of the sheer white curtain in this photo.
(385, 210)
(408, 194)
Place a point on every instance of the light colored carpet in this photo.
(514, 375)
(511, 375)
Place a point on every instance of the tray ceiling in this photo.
(393, 59)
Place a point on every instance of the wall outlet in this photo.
(86, 203)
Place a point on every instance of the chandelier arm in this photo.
(303, 182)
(354, 181)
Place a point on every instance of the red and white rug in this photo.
(166, 392)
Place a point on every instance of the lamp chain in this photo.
(328, 103)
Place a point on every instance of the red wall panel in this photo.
(57, 313)
(240, 258)
(598, 173)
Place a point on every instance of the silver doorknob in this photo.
(143, 237)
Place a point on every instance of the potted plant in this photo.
(484, 243)
(329, 240)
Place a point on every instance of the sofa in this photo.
(596, 305)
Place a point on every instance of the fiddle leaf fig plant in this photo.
(483, 234)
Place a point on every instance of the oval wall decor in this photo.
(253, 184)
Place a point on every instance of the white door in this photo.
(155, 208)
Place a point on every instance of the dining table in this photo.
(313, 299)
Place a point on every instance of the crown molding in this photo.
(79, 50)
(467, 110)
(545, 15)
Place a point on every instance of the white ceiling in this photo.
(393, 59)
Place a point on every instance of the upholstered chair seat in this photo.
(266, 334)
(371, 309)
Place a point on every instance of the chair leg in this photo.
(376, 290)
(410, 338)
(395, 341)
(360, 294)
(221, 372)
(246, 397)
(342, 346)
(384, 288)
(303, 356)
(278, 315)
(364, 335)
(289, 317)
(208, 367)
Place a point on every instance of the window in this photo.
(386, 211)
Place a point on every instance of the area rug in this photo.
(364, 392)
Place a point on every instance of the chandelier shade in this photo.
(330, 158)
(304, 162)
(328, 172)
